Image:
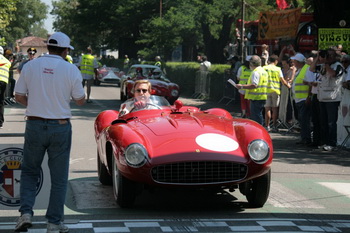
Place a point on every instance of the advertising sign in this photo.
(278, 24)
(328, 37)
(11, 158)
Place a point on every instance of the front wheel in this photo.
(258, 190)
(102, 172)
(124, 190)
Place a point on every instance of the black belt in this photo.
(45, 119)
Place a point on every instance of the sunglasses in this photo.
(142, 90)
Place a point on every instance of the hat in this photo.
(31, 50)
(8, 52)
(1, 50)
(247, 58)
(298, 57)
(59, 39)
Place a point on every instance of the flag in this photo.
(281, 4)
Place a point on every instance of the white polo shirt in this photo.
(50, 82)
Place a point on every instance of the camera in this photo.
(322, 53)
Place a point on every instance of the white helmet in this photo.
(1, 50)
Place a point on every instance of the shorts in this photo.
(87, 76)
(273, 100)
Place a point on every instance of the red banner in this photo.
(279, 24)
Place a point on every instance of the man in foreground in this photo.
(46, 86)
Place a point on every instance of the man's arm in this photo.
(80, 102)
(22, 99)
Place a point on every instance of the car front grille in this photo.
(203, 172)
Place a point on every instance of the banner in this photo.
(279, 24)
(328, 37)
(11, 157)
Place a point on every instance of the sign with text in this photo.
(11, 158)
(279, 24)
(328, 37)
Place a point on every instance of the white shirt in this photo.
(50, 82)
(205, 66)
(311, 77)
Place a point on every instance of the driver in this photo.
(142, 92)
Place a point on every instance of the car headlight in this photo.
(135, 155)
(174, 92)
(259, 151)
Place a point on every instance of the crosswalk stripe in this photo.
(284, 197)
(342, 188)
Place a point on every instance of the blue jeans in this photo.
(54, 138)
(304, 117)
(329, 118)
(256, 109)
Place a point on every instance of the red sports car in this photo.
(182, 146)
(161, 85)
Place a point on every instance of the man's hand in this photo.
(139, 104)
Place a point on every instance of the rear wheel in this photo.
(258, 190)
(103, 174)
(124, 190)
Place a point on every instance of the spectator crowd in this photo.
(306, 92)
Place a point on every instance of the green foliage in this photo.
(28, 18)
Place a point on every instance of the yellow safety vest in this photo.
(258, 93)
(69, 59)
(4, 69)
(301, 90)
(246, 72)
(87, 64)
(158, 63)
(274, 82)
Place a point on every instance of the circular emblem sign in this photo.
(10, 176)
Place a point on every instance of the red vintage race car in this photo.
(161, 85)
(182, 146)
(108, 75)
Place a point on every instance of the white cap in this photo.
(298, 57)
(247, 58)
(59, 39)
(1, 50)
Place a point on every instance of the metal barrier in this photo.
(202, 85)
(229, 91)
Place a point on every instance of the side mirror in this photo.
(178, 105)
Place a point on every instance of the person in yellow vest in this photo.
(158, 62)
(4, 79)
(300, 90)
(126, 63)
(69, 58)
(275, 78)
(243, 75)
(88, 67)
(256, 89)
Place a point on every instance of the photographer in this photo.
(331, 73)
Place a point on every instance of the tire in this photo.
(124, 190)
(103, 175)
(258, 190)
(97, 82)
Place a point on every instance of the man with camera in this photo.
(331, 73)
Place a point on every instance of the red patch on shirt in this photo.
(48, 71)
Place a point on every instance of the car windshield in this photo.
(147, 103)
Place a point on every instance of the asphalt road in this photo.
(310, 190)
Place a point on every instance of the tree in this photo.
(7, 12)
(30, 15)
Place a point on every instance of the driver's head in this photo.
(142, 88)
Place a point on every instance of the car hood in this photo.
(185, 134)
(110, 75)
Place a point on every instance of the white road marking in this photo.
(284, 197)
(342, 188)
